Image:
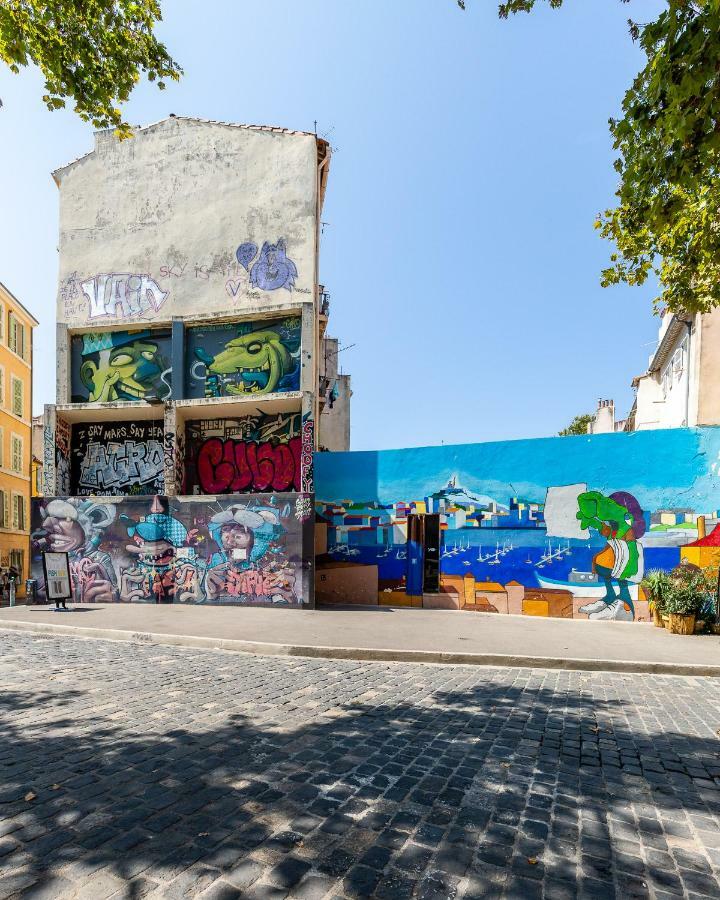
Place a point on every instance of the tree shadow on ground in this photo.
(141, 769)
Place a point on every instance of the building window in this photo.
(2, 447)
(2, 322)
(16, 462)
(4, 510)
(17, 560)
(2, 386)
(17, 396)
(16, 335)
(18, 512)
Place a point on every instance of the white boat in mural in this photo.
(578, 586)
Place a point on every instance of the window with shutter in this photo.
(2, 386)
(17, 454)
(17, 397)
(18, 512)
(5, 509)
(16, 336)
(2, 448)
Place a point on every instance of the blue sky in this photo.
(471, 156)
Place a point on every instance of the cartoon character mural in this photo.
(246, 358)
(246, 551)
(76, 526)
(272, 270)
(247, 561)
(121, 365)
(156, 573)
(619, 519)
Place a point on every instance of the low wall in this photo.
(561, 527)
(249, 550)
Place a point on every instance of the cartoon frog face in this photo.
(258, 360)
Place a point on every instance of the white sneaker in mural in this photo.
(595, 607)
(616, 612)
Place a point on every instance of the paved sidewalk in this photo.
(408, 635)
(133, 771)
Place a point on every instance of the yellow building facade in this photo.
(16, 332)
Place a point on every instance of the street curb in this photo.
(261, 648)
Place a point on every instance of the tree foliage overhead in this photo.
(92, 52)
(579, 425)
(667, 219)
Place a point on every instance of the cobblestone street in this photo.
(133, 771)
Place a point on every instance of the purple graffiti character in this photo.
(274, 269)
(245, 254)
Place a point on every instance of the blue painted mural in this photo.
(558, 526)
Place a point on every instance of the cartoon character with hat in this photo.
(156, 538)
(122, 365)
(245, 536)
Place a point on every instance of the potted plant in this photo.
(656, 584)
(687, 595)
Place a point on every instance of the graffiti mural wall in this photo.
(109, 366)
(260, 357)
(562, 526)
(239, 551)
(116, 460)
(253, 453)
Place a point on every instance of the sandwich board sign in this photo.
(58, 585)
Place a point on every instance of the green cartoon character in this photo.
(254, 363)
(620, 520)
(123, 365)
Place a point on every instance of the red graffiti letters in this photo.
(229, 466)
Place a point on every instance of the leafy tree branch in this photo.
(667, 218)
(92, 52)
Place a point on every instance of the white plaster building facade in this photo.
(190, 323)
(681, 386)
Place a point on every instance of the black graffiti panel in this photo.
(111, 459)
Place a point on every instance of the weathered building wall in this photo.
(235, 550)
(560, 526)
(188, 216)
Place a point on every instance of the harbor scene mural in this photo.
(510, 542)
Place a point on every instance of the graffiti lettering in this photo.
(229, 466)
(249, 582)
(112, 465)
(122, 295)
(303, 508)
(232, 286)
(169, 451)
(173, 271)
(306, 457)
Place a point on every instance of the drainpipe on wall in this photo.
(687, 381)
